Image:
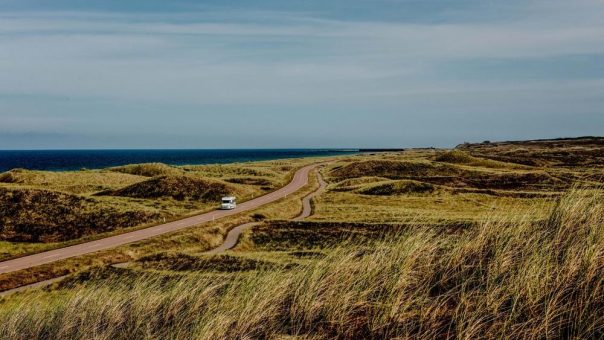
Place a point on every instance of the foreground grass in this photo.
(499, 279)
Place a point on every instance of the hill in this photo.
(585, 151)
(179, 187)
(148, 169)
(452, 175)
(32, 215)
(73, 182)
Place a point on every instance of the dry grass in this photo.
(451, 185)
(186, 262)
(583, 151)
(443, 206)
(404, 187)
(179, 188)
(394, 169)
(496, 250)
(524, 280)
(193, 240)
(73, 182)
(148, 169)
(31, 215)
(41, 210)
(461, 157)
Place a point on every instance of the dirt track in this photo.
(306, 202)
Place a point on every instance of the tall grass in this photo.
(528, 280)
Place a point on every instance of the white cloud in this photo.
(278, 58)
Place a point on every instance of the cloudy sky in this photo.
(299, 73)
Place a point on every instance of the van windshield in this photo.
(226, 201)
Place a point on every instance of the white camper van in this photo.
(228, 203)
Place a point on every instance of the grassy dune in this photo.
(191, 241)
(148, 169)
(586, 151)
(73, 182)
(398, 188)
(33, 215)
(479, 241)
(179, 188)
(461, 157)
(42, 209)
(496, 280)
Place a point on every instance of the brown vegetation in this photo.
(177, 187)
(417, 244)
(495, 280)
(442, 174)
(185, 262)
(403, 187)
(583, 151)
(394, 169)
(148, 169)
(286, 235)
(461, 157)
(31, 215)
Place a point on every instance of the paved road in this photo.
(300, 180)
(233, 235)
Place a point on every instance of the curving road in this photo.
(306, 202)
(300, 180)
(233, 235)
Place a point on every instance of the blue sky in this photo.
(268, 73)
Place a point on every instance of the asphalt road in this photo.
(233, 235)
(300, 180)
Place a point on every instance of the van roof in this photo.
(230, 198)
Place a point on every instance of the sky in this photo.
(78, 74)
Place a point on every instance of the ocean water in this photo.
(63, 160)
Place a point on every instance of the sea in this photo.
(66, 160)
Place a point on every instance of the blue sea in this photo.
(63, 160)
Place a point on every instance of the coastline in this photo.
(74, 160)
